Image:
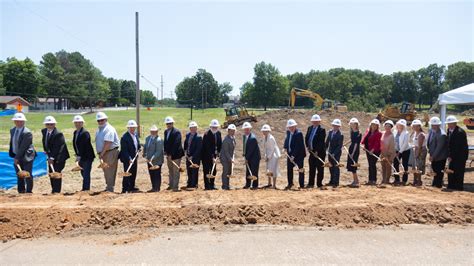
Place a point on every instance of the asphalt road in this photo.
(256, 245)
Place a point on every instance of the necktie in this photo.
(289, 142)
(245, 143)
(191, 136)
(313, 133)
(15, 140)
(47, 140)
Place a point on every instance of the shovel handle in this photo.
(19, 167)
(52, 167)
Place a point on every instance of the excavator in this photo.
(237, 115)
(325, 104)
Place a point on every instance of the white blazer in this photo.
(403, 140)
(272, 154)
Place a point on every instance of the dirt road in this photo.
(452, 245)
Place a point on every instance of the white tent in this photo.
(463, 95)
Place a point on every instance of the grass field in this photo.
(118, 119)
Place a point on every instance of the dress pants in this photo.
(289, 168)
(25, 184)
(315, 166)
(56, 182)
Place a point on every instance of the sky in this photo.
(227, 38)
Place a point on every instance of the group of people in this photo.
(399, 152)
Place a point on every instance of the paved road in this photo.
(271, 245)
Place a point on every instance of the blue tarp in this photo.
(8, 112)
(8, 174)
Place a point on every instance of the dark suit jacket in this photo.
(318, 141)
(458, 148)
(195, 149)
(334, 143)
(438, 145)
(82, 145)
(173, 146)
(252, 151)
(25, 149)
(56, 147)
(296, 147)
(127, 148)
(211, 145)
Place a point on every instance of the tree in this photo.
(202, 90)
(270, 87)
(147, 97)
(405, 87)
(246, 93)
(224, 90)
(430, 80)
(115, 86)
(459, 74)
(20, 78)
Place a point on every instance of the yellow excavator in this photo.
(404, 110)
(237, 115)
(325, 104)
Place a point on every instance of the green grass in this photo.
(118, 119)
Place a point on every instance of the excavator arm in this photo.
(318, 100)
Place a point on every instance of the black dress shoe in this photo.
(168, 188)
(288, 187)
(309, 186)
(246, 187)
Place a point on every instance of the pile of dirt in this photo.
(469, 113)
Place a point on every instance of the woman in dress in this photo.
(371, 142)
(418, 141)
(354, 151)
(387, 145)
(272, 155)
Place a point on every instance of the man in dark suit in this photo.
(211, 147)
(252, 156)
(81, 141)
(55, 147)
(174, 152)
(314, 139)
(438, 150)
(334, 143)
(192, 147)
(129, 148)
(294, 146)
(22, 151)
(457, 154)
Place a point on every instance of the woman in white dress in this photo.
(272, 155)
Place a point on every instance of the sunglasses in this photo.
(101, 120)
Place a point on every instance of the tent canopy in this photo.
(463, 95)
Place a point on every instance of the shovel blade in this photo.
(252, 177)
(126, 174)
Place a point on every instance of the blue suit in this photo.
(193, 152)
(252, 156)
(296, 149)
(127, 153)
(334, 143)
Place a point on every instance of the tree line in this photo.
(71, 79)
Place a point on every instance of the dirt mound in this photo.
(469, 112)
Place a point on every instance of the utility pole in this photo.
(137, 97)
(161, 88)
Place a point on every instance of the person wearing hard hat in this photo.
(334, 142)
(387, 151)
(227, 156)
(81, 142)
(294, 147)
(402, 149)
(458, 151)
(354, 151)
(418, 143)
(174, 152)
(54, 145)
(22, 151)
(252, 156)
(107, 143)
(154, 155)
(211, 147)
(371, 144)
(129, 150)
(192, 149)
(272, 155)
(438, 150)
(315, 143)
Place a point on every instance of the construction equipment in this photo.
(324, 104)
(237, 115)
(469, 123)
(396, 112)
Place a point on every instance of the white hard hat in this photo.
(100, 116)
(390, 122)
(246, 125)
(49, 120)
(402, 122)
(192, 124)
(154, 128)
(132, 123)
(416, 122)
(169, 120)
(78, 118)
(231, 127)
(336, 122)
(354, 121)
(435, 121)
(214, 123)
(266, 128)
(315, 118)
(19, 117)
(375, 122)
(291, 123)
(451, 119)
